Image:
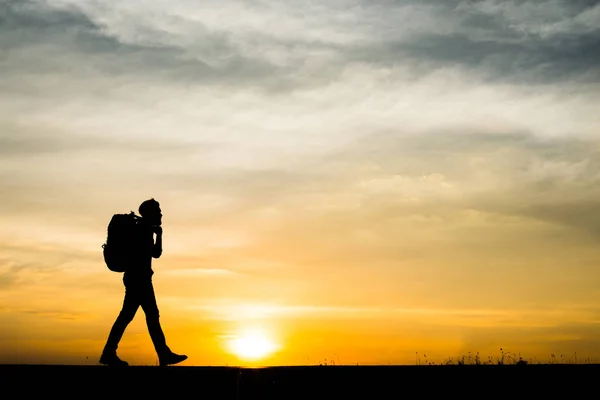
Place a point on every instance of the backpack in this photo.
(120, 245)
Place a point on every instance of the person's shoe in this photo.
(171, 358)
(112, 360)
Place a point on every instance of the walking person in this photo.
(139, 290)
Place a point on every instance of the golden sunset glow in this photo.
(348, 182)
(251, 345)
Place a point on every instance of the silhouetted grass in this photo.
(506, 358)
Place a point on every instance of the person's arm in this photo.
(157, 248)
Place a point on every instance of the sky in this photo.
(348, 182)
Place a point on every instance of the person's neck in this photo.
(146, 221)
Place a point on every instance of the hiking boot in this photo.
(171, 358)
(112, 360)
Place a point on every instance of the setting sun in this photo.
(251, 345)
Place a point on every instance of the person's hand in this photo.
(157, 229)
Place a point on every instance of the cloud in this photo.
(527, 42)
(54, 314)
(281, 47)
(35, 143)
(540, 319)
(195, 272)
(14, 273)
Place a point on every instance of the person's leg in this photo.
(148, 303)
(150, 307)
(131, 303)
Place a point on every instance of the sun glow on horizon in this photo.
(251, 345)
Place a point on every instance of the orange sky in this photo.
(335, 186)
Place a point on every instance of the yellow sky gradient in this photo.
(330, 295)
(356, 190)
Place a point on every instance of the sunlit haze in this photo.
(347, 181)
(251, 345)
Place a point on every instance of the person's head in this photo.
(150, 210)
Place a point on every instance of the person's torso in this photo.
(141, 258)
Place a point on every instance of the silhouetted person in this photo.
(139, 291)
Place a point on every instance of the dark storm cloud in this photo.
(39, 40)
(499, 44)
(525, 41)
(530, 60)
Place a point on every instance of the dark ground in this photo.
(330, 382)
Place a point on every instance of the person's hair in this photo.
(146, 206)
